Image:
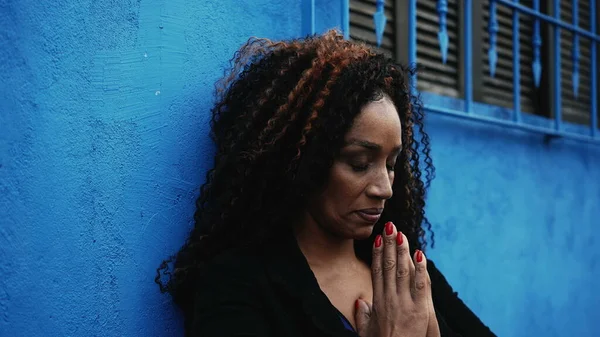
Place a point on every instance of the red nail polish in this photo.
(389, 228)
(356, 304)
(399, 238)
(419, 256)
(378, 241)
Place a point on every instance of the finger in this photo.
(433, 328)
(405, 269)
(376, 271)
(362, 315)
(389, 258)
(422, 283)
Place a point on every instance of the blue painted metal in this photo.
(516, 67)
(312, 17)
(308, 21)
(346, 19)
(594, 70)
(537, 44)
(442, 10)
(557, 77)
(465, 111)
(493, 28)
(510, 124)
(555, 21)
(468, 31)
(412, 41)
(380, 20)
(575, 51)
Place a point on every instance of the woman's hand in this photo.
(402, 304)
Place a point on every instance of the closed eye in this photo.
(359, 168)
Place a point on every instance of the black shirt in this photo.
(272, 291)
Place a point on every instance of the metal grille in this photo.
(417, 41)
(434, 76)
(361, 25)
(575, 109)
(498, 90)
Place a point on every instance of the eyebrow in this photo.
(369, 145)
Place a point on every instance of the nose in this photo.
(381, 185)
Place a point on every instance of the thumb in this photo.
(362, 315)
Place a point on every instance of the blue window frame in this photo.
(550, 46)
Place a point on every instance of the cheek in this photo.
(344, 187)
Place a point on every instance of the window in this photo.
(446, 79)
(498, 89)
(575, 109)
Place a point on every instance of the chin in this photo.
(363, 232)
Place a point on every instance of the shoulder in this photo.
(456, 314)
(439, 285)
(239, 259)
(437, 278)
(228, 296)
(432, 269)
(234, 267)
(231, 281)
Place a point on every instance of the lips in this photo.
(372, 211)
(370, 214)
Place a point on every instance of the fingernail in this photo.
(389, 228)
(399, 238)
(356, 304)
(419, 256)
(378, 241)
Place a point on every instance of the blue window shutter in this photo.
(575, 108)
(498, 90)
(434, 75)
(362, 27)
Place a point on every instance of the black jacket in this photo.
(272, 292)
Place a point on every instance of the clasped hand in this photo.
(402, 304)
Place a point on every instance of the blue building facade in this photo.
(103, 145)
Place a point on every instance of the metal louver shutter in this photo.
(575, 109)
(498, 90)
(434, 75)
(362, 27)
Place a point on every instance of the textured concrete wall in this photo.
(103, 123)
(104, 115)
(516, 223)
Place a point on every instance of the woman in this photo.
(310, 222)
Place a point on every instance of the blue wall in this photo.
(516, 223)
(103, 124)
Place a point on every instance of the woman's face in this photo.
(361, 177)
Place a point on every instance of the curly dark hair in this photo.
(279, 121)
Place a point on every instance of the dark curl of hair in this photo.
(279, 121)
